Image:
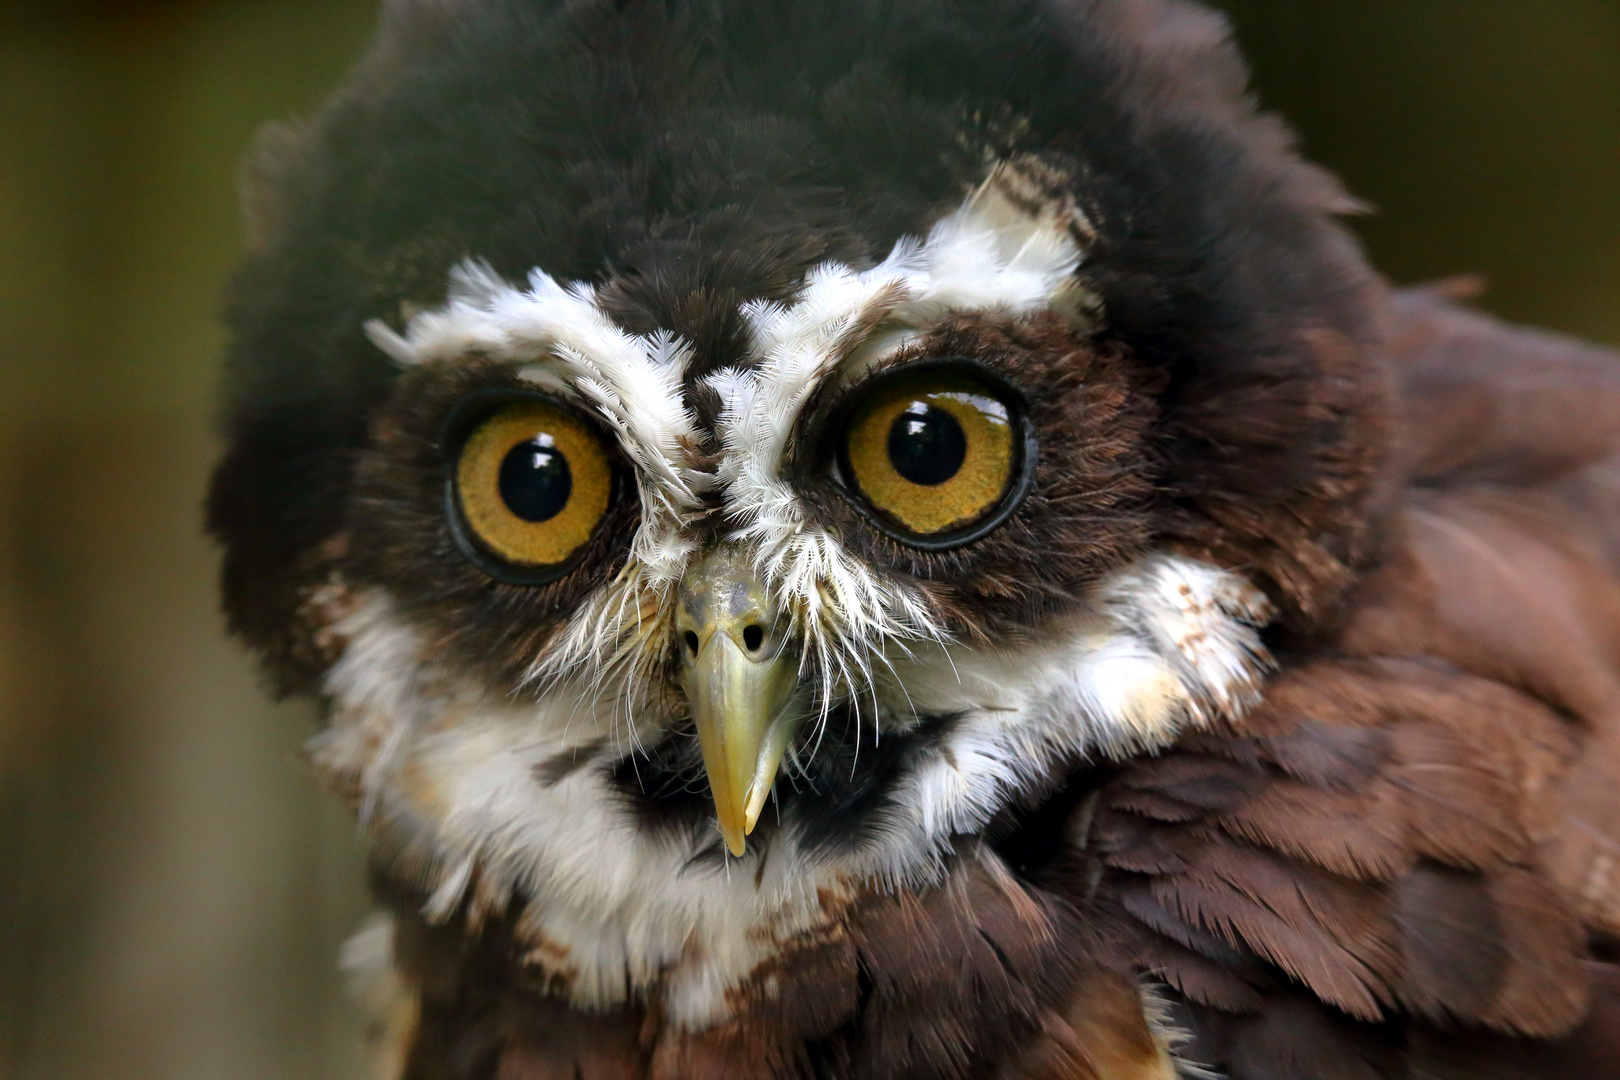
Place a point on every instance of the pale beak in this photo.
(739, 675)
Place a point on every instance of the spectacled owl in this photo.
(901, 539)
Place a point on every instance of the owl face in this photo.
(704, 497)
(852, 597)
(868, 489)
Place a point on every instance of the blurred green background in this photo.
(173, 890)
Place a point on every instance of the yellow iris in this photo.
(934, 453)
(533, 481)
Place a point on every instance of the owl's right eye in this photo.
(530, 482)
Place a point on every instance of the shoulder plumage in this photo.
(1417, 825)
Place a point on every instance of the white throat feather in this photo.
(616, 912)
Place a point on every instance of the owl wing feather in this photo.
(1404, 857)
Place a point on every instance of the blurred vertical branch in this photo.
(172, 888)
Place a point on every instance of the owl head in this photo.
(708, 455)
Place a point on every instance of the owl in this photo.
(901, 539)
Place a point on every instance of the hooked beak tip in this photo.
(741, 706)
(756, 801)
(740, 677)
(735, 827)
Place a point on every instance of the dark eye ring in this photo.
(935, 454)
(528, 481)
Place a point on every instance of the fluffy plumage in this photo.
(1269, 733)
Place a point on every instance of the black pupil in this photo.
(926, 445)
(535, 479)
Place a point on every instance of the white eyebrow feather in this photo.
(633, 382)
(989, 255)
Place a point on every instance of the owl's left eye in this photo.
(938, 453)
(530, 481)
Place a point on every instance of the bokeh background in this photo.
(173, 889)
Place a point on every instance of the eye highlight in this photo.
(935, 453)
(531, 483)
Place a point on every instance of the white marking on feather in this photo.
(1203, 621)
(1168, 642)
(391, 1006)
(1169, 1036)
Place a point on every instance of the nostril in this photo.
(691, 642)
(753, 638)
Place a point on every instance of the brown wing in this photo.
(1406, 858)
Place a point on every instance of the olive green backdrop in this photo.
(173, 890)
